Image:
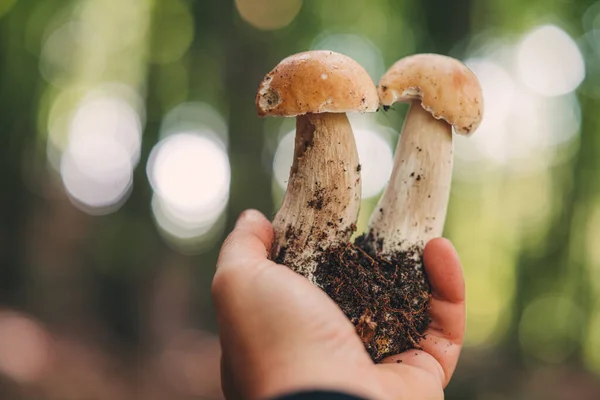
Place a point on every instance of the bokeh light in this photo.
(67, 44)
(546, 122)
(102, 147)
(374, 153)
(127, 20)
(173, 31)
(268, 15)
(499, 95)
(282, 161)
(24, 347)
(190, 174)
(109, 118)
(194, 116)
(521, 127)
(591, 17)
(97, 174)
(550, 327)
(549, 61)
(190, 171)
(111, 109)
(190, 232)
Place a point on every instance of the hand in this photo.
(280, 333)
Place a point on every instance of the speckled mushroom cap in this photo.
(318, 81)
(446, 87)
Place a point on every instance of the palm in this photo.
(266, 306)
(422, 373)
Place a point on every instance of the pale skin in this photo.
(280, 333)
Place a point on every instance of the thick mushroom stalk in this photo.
(444, 94)
(322, 200)
(412, 210)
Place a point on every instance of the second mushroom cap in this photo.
(447, 88)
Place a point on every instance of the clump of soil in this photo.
(386, 299)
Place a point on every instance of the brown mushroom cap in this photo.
(318, 81)
(447, 88)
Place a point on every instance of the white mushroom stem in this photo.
(323, 195)
(413, 207)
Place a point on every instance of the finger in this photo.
(444, 271)
(254, 221)
(444, 336)
(413, 371)
(447, 307)
(245, 249)
(447, 320)
(438, 358)
(248, 243)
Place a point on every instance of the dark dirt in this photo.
(291, 235)
(318, 200)
(387, 300)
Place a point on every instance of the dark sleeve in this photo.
(319, 395)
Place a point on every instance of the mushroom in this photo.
(443, 94)
(322, 199)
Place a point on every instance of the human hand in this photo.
(280, 333)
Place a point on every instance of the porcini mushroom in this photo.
(392, 314)
(322, 199)
(443, 94)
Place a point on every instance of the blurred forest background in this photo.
(129, 143)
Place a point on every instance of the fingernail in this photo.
(247, 216)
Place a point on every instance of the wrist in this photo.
(282, 380)
(319, 395)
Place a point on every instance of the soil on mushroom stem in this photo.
(386, 299)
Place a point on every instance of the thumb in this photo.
(244, 252)
(248, 244)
